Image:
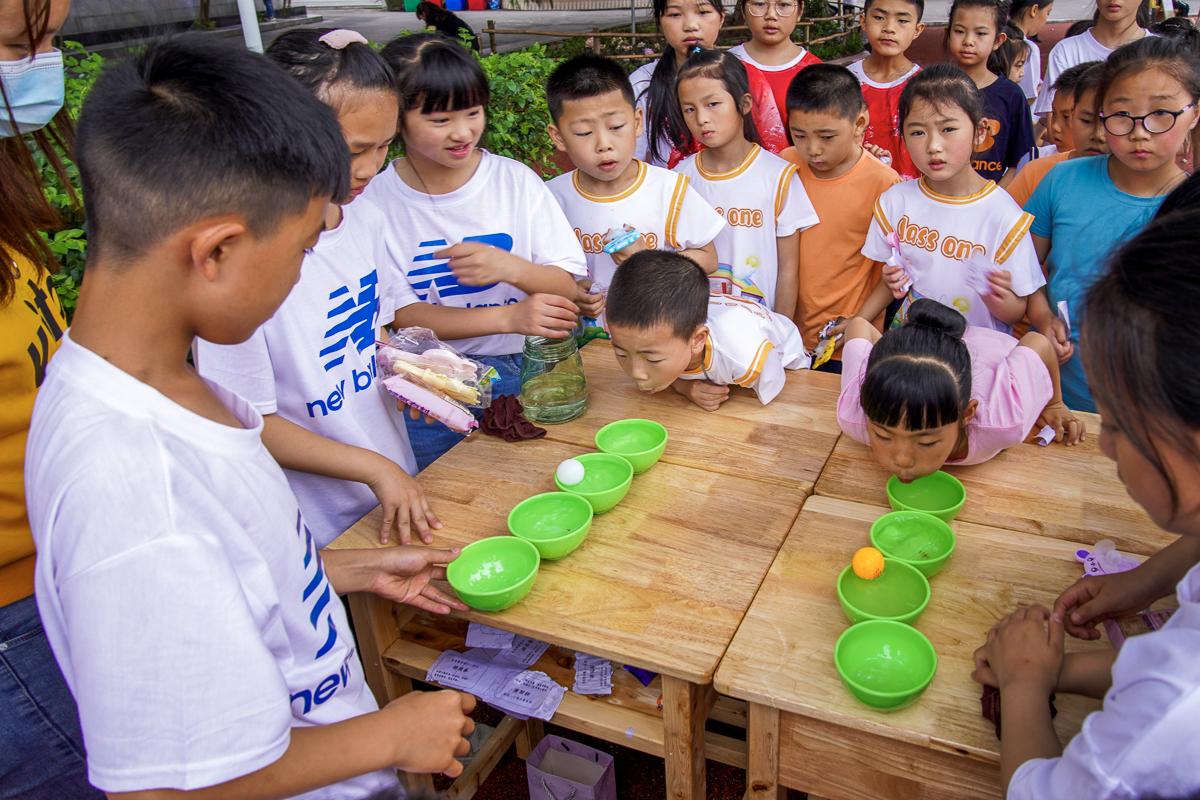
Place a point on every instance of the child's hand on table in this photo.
(404, 574)
(1023, 649)
(1068, 428)
(404, 504)
(708, 396)
(547, 315)
(895, 277)
(1089, 601)
(478, 264)
(590, 305)
(441, 717)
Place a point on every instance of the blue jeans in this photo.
(429, 441)
(41, 746)
(269, 7)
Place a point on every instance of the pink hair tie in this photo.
(341, 37)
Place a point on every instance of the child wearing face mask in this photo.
(936, 391)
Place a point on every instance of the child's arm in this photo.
(546, 315)
(1050, 325)
(1088, 674)
(478, 264)
(705, 394)
(705, 257)
(1067, 427)
(1001, 301)
(875, 304)
(322, 755)
(860, 327)
(403, 501)
(787, 283)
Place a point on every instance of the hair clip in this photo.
(338, 39)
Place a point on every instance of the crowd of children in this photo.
(211, 420)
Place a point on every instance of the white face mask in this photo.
(34, 88)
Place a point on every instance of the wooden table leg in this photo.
(685, 709)
(762, 746)
(532, 732)
(377, 624)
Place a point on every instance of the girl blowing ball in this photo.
(1139, 351)
(937, 392)
(759, 193)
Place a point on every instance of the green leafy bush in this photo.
(517, 114)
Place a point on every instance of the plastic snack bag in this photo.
(422, 372)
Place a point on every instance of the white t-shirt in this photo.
(749, 346)
(739, 50)
(941, 235)
(1031, 81)
(661, 204)
(640, 80)
(1143, 742)
(1064, 55)
(183, 595)
(761, 200)
(504, 204)
(313, 363)
(1038, 152)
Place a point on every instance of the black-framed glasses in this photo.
(784, 8)
(1157, 121)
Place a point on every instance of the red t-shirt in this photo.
(883, 103)
(777, 79)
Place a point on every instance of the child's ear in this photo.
(920, 28)
(556, 136)
(639, 120)
(981, 133)
(1001, 38)
(697, 340)
(746, 104)
(213, 245)
(860, 124)
(969, 414)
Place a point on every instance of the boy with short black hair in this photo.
(596, 123)
(826, 118)
(668, 331)
(196, 623)
(890, 26)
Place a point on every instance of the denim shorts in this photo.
(41, 746)
(430, 440)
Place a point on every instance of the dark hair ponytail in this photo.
(324, 70)
(919, 375)
(663, 117)
(1140, 329)
(731, 72)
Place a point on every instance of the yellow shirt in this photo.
(31, 327)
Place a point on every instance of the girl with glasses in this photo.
(1086, 207)
(772, 57)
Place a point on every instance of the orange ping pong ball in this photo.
(867, 563)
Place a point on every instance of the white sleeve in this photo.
(766, 374)
(1054, 68)
(793, 209)
(1017, 254)
(876, 247)
(553, 239)
(174, 685)
(691, 221)
(244, 369)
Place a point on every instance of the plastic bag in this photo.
(423, 372)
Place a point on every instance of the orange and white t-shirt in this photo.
(750, 346)
(665, 210)
(1022, 186)
(948, 244)
(883, 105)
(761, 200)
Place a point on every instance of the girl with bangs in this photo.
(487, 254)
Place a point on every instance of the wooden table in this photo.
(1062, 492)
(806, 731)
(663, 580)
(785, 442)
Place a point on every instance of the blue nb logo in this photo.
(435, 281)
(354, 319)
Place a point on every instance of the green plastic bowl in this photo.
(940, 494)
(916, 538)
(606, 480)
(495, 573)
(900, 594)
(640, 441)
(555, 522)
(885, 664)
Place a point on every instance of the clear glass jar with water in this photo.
(553, 387)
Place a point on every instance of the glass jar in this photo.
(553, 387)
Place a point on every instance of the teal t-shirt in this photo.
(1086, 217)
